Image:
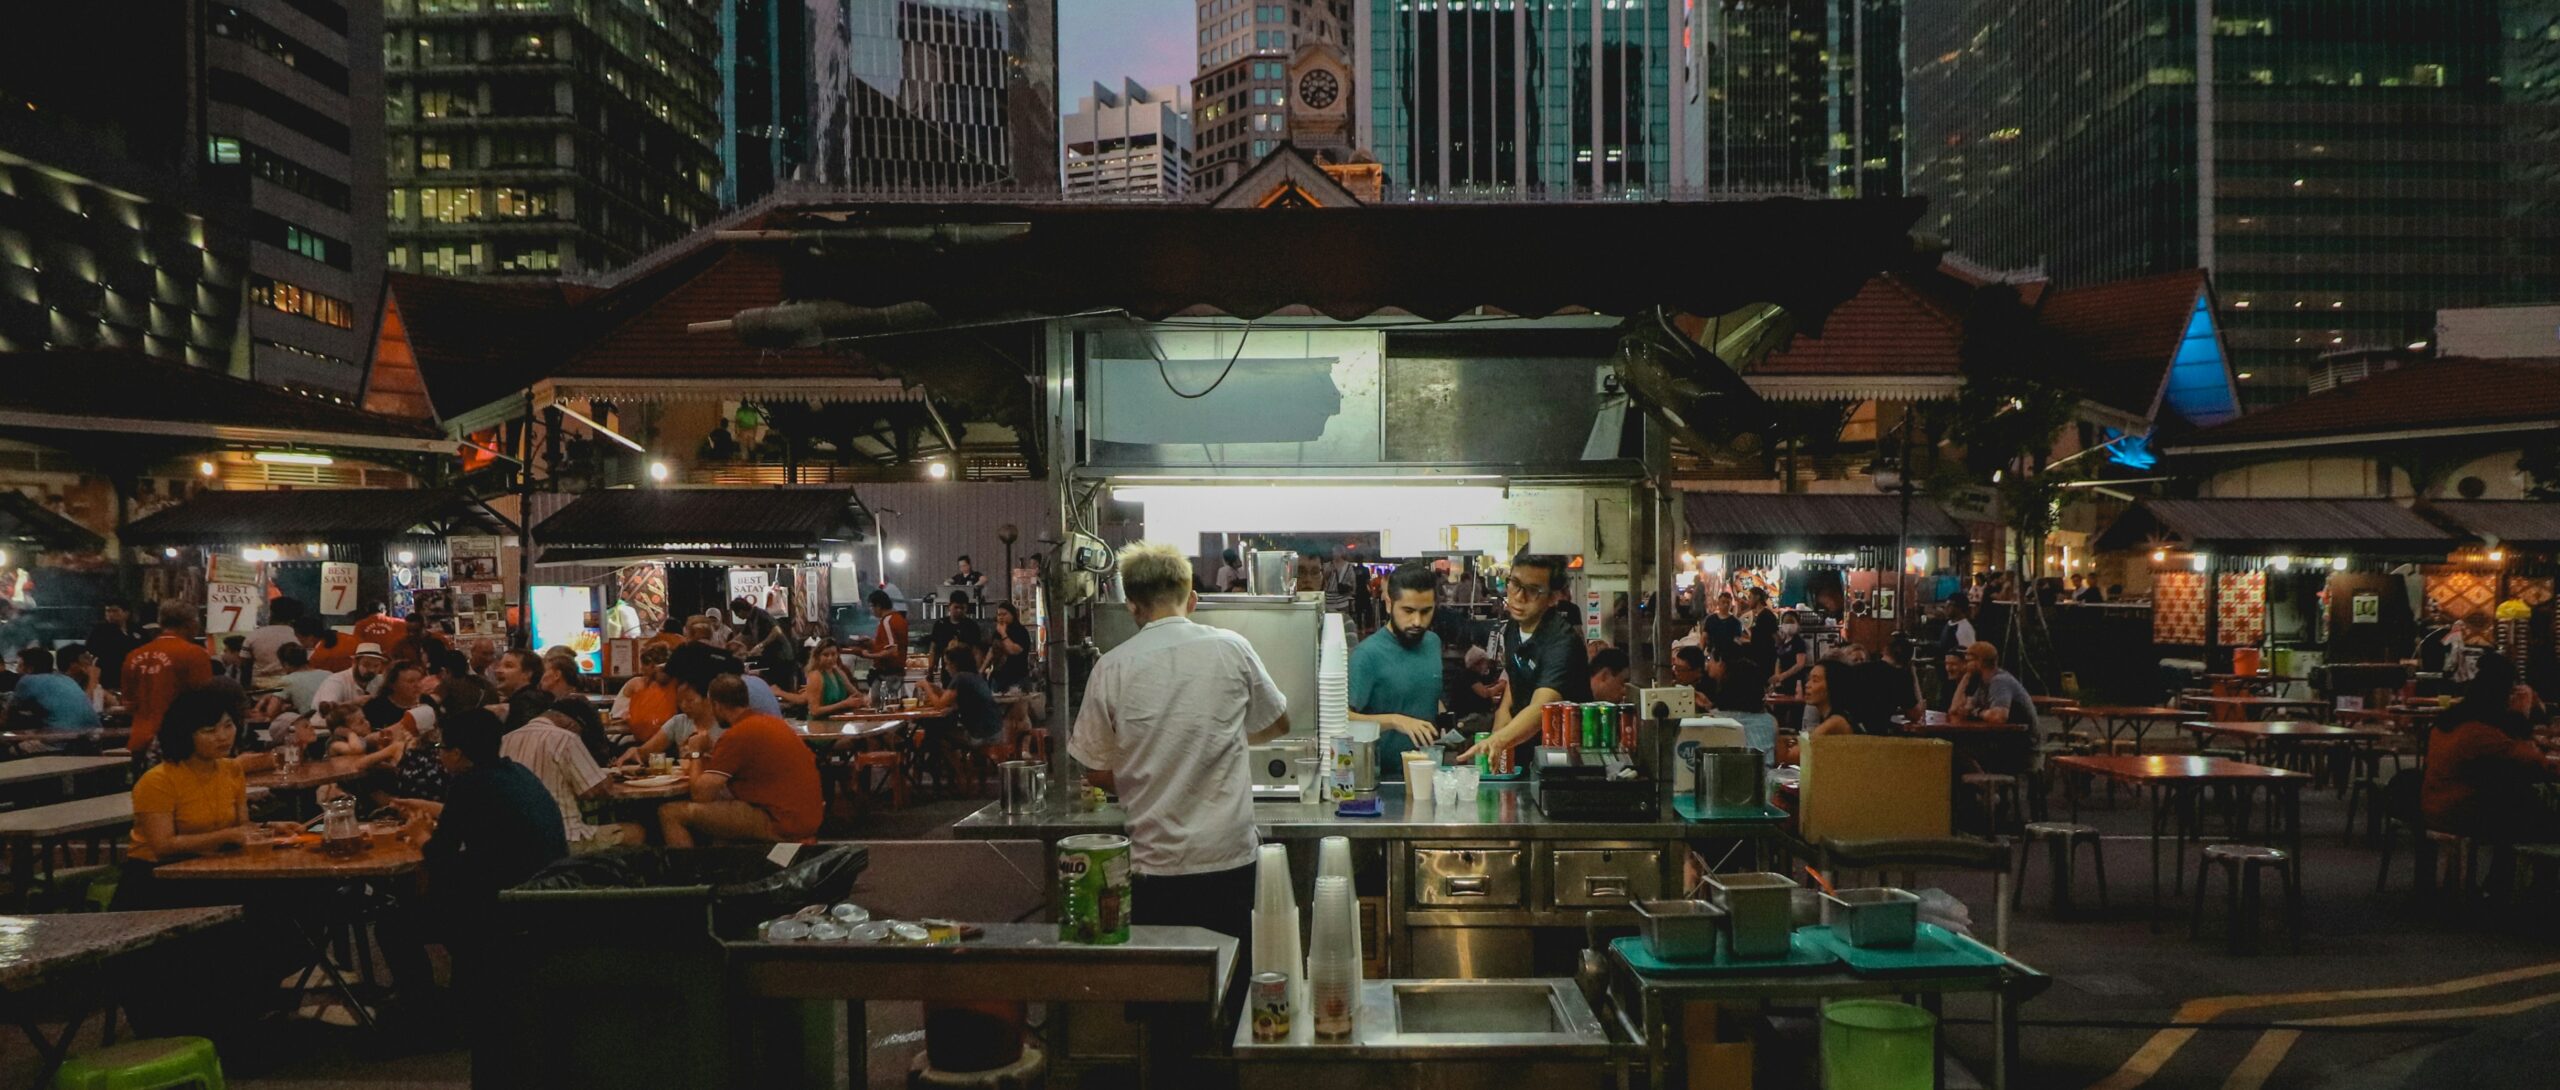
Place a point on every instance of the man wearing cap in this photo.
(355, 684)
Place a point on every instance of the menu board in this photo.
(230, 608)
(749, 583)
(337, 589)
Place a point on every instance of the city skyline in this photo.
(1111, 41)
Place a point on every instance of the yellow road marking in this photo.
(2260, 1063)
(2448, 1014)
(2164, 1045)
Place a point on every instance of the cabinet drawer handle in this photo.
(1475, 885)
(1606, 886)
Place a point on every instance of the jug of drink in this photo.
(340, 833)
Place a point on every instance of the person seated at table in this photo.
(1011, 646)
(196, 800)
(299, 688)
(1609, 675)
(348, 732)
(402, 698)
(831, 687)
(1689, 667)
(1737, 688)
(2483, 767)
(46, 700)
(1835, 702)
(1897, 688)
(358, 682)
(758, 783)
(496, 827)
(79, 664)
(1990, 695)
(551, 748)
(567, 686)
(518, 677)
(648, 700)
(969, 703)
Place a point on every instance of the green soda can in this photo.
(1591, 726)
(1484, 758)
(1093, 889)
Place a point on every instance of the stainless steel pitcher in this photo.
(1024, 785)
(1727, 777)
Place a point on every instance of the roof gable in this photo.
(2130, 336)
(1286, 178)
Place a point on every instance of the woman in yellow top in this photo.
(646, 702)
(196, 801)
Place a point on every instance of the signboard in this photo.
(2365, 609)
(231, 569)
(750, 584)
(474, 559)
(337, 589)
(564, 616)
(230, 608)
(1591, 615)
(621, 658)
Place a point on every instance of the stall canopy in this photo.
(750, 525)
(329, 516)
(89, 400)
(2275, 527)
(1763, 522)
(2514, 524)
(24, 519)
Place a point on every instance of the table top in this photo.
(631, 793)
(1937, 722)
(64, 818)
(1502, 809)
(884, 715)
(855, 729)
(34, 948)
(1010, 962)
(2255, 701)
(2112, 711)
(42, 768)
(2054, 701)
(2285, 728)
(383, 857)
(54, 737)
(309, 775)
(2163, 769)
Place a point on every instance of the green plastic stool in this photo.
(154, 1064)
(1876, 1044)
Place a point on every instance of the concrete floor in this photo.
(2387, 993)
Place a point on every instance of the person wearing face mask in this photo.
(1395, 673)
(357, 683)
(1790, 654)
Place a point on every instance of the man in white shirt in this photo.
(551, 749)
(1166, 721)
(264, 671)
(355, 684)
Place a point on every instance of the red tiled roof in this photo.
(1900, 323)
(2434, 394)
(2127, 332)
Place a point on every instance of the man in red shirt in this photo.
(760, 781)
(156, 672)
(887, 647)
(379, 627)
(416, 643)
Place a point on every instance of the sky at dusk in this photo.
(1152, 41)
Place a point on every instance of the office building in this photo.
(1565, 97)
(2344, 169)
(191, 182)
(942, 94)
(1259, 66)
(548, 137)
(1802, 96)
(1134, 142)
(767, 92)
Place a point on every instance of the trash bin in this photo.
(606, 970)
(1876, 1044)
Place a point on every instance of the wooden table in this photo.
(307, 879)
(2242, 707)
(1938, 722)
(309, 775)
(2174, 783)
(621, 791)
(2136, 720)
(2267, 740)
(2053, 703)
(56, 951)
(851, 729)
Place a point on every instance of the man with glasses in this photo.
(1542, 652)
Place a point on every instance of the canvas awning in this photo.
(334, 516)
(1813, 522)
(742, 525)
(2274, 526)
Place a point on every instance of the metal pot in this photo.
(1727, 777)
(1024, 784)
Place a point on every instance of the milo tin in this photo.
(1093, 889)
(1270, 1006)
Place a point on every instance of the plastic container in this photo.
(1680, 930)
(1882, 916)
(1877, 1044)
(1760, 910)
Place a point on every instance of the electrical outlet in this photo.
(1681, 699)
(1604, 382)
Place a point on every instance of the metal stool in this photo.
(2244, 861)
(1998, 792)
(2062, 841)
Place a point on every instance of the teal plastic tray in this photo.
(1802, 956)
(1688, 809)
(1933, 948)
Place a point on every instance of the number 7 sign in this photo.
(337, 589)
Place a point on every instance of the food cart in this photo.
(339, 551)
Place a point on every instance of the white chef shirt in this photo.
(558, 758)
(342, 688)
(1167, 714)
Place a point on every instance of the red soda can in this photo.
(1502, 763)
(1630, 729)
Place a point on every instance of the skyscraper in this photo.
(2343, 168)
(1560, 96)
(190, 181)
(1802, 96)
(941, 94)
(1242, 98)
(1134, 142)
(548, 137)
(767, 91)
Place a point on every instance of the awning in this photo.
(59, 398)
(2528, 524)
(24, 519)
(745, 525)
(327, 515)
(2254, 526)
(1813, 522)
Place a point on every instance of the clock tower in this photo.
(1321, 106)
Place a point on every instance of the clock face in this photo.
(1318, 89)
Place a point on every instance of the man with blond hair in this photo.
(1166, 721)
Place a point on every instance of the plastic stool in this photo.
(893, 768)
(1027, 1073)
(2245, 861)
(2062, 842)
(152, 1064)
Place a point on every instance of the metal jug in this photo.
(1727, 777)
(1024, 784)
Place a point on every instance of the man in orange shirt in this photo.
(887, 647)
(760, 781)
(156, 672)
(379, 627)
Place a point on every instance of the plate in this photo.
(654, 781)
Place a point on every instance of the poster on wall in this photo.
(337, 589)
(230, 608)
(749, 583)
(474, 558)
(621, 658)
(811, 603)
(231, 569)
(2365, 609)
(644, 588)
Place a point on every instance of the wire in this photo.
(1213, 386)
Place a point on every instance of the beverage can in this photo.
(1270, 1006)
(1093, 889)
(1630, 729)
(1591, 726)
(1609, 727)
(1500, 761)
(1484, 759)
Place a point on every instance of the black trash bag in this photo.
(742, 884)
(820, 875)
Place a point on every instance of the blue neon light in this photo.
(2199, 377)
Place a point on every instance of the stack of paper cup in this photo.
(1333, 695)
(1333, 860)
(1275, 918)
(1333, 961)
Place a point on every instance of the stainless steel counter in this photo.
(1536, 1032)
(1500, 812)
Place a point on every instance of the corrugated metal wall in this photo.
(937, 522)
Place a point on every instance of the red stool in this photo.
(893, 768)
(1035, 744)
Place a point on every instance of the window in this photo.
(523, 204)
(283, 173)
(222, 149)
(450, 260)
(239, 26)
(435, 152)
(443, 47)
(447, 7)
(438, 102)
(524, 47)
(295, 299)
(529, 260)
(396, 202)
(449, 204)
(520, 150)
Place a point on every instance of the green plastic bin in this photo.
(1877, 1044)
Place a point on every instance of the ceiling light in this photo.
(897, 554)
(2337, 563)
(204, 469)
(293, 458)
(171, 552)
(2496, 556)
(658, 471)
(936, 470)
(2245, 376)
(407, 557)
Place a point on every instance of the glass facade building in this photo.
(1566, 97)
(2343, 167)
(766, 91)
(1242, 94)
(944, 94)
(1803, 96)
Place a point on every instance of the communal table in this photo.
(309, 775)
(19, 777)
(32, 833)
(307, 882)
(2268, 740)
(58, 956)
(2242, 707)
(2175, 783)
(1937, 723)
(2136, 720)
